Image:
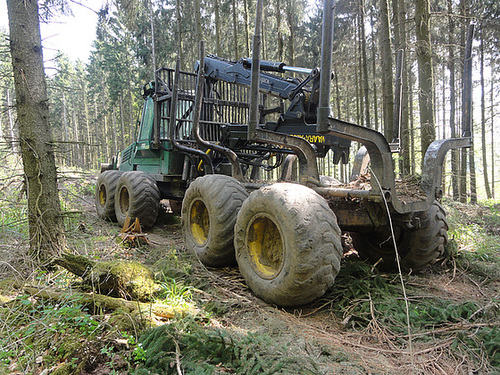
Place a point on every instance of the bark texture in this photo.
(386, 52)
(46, 228)
(425, 80)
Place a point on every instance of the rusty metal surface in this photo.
(356, 215)
(382, 169)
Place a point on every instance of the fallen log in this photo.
(106, 303)
(124, 279)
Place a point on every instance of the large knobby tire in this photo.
(137, 196)
(288, 244)
(209, 211)
(417, 249)
(105, 194)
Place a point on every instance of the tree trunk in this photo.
(492, 110)
(425, 78)
(411, 122)
(386, 53)
(64, 148)
(462, 177)
(77, 153)
(46, 227)
(290, 12)
(152, 29)
(375, 99)
(337, 94)
(483, 118)
(122, 126)
(97, 131)
(358, 75)
(179, 29)
(280, 31)
(247, 27)
(400, 31)
(87, 150)
(366, 89)
(12, 124)
(451, 68)
(217, 27)
(113, 131)
(235, 31)
(197, 21)
(467, 123)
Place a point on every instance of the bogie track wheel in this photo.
(105, 194)
(417, 249)
(209, 211)
(137, 196)
(287, 243)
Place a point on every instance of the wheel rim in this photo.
(102, 195)
(265, 247)
(124, 200)
(199, 222)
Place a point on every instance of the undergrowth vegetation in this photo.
(44, 333)
(373, 302)
(208, 350)
(453, 307)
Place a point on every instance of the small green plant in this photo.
(175, 293)
(138, 352)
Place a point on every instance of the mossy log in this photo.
(124, 279)
(107, 303)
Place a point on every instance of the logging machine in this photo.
(234, 147)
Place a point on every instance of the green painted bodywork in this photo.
(143, 156)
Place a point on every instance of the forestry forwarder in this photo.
(203, 139)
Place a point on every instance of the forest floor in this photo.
(448, 322)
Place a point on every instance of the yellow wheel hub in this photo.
(199, 222)
(265, 247)
(102, 195)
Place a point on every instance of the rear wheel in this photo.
(417, 249)
(137, 196)
(287, 244)
(105, 194)
(209, 211)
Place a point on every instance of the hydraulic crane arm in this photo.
(239, 72)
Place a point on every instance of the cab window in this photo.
(146, 120)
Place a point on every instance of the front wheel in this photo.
(287, 244)
(417, 249)
(209, 211)
(137, 196)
